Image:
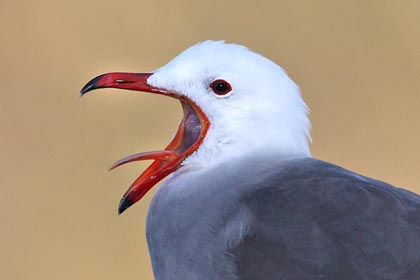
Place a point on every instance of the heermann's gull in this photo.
(245, 199)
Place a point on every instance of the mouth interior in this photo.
(192, 128)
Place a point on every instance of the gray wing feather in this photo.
(315, 220)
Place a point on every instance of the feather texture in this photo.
(296, 219)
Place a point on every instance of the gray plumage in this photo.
(296, 219)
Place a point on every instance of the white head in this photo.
(263, 113)
(236, 104)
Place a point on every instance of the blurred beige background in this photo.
(358, 63)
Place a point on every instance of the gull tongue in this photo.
(164, 155)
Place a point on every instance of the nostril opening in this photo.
(123, 82)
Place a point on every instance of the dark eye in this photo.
(220, 87)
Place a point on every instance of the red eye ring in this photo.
(220, 87)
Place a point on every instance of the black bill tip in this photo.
(125, 203)
(91, 85)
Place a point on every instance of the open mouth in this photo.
(188, 138)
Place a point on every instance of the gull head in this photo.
(236, 104)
